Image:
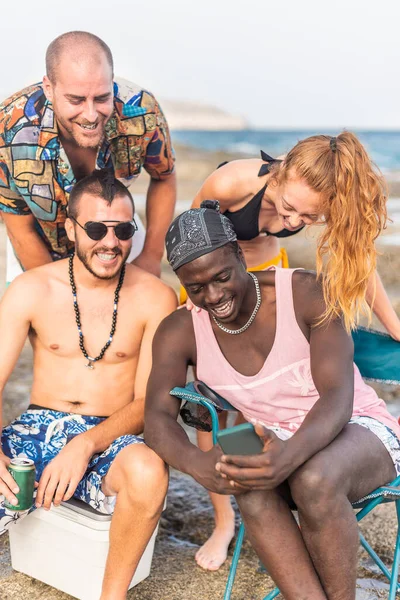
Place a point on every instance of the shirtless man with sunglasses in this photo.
(90, 319)
(97, 230)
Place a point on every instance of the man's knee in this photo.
(253, 504)
(139, 473)
(315, 487)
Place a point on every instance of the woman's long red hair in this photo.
(354, 195)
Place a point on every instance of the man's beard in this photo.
(84, 258)
(83, 142)
(91, 145)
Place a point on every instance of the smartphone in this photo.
(241, 439)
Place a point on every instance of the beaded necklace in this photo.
(90, 359)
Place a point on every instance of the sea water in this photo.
(383, 146)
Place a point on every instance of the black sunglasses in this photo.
(97, 230)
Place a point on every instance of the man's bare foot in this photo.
(214, 552)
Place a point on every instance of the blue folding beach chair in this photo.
(377, 355)
(207, 419)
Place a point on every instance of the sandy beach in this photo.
(187, 521)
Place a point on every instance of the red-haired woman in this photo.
(322, 179)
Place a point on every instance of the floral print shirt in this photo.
(35, 174)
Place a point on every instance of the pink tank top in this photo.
(283, 391)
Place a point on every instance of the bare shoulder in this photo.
(179, 320)
(310, 309)
(232, 182)
(148, 289)
(39, 280)
(307, 282)
(139, 279)
(29, 290)
(308, 296)
(266, 279)
(240, 173)
(176, 330)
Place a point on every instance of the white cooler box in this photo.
(67, 548)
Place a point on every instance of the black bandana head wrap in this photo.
(196, 232)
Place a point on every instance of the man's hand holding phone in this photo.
(263, 471)
(204, 471)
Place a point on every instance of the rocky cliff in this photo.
(194, 115)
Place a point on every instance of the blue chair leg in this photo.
(393, 575)
(234, 563)
(394, 585)
(375, 557)
(272, 594)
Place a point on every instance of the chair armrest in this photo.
(385, 493)
(189, 394)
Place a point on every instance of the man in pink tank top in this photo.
(328, 439)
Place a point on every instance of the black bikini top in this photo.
(245, 220)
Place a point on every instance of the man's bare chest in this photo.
(56, 330)
(248, 351)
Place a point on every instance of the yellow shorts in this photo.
(280, 259)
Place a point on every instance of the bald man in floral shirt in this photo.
(54, 133)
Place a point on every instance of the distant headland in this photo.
(183, 115)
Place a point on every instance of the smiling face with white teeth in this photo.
(82, 98)
(218, 283)
(103, 258)
(297, 204)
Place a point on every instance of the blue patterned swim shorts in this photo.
(40, 434)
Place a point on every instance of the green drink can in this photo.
(23, 472)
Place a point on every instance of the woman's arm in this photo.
(379, 301)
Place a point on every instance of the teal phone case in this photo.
(241, 439)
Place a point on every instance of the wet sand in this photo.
(187, 521)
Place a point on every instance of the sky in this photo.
(279, 64)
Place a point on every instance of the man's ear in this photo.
(70, 229)
(48, 88)
(241, 257)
